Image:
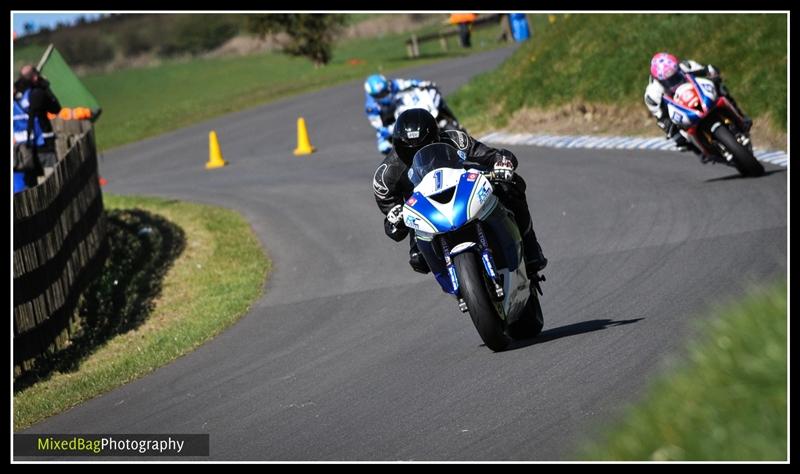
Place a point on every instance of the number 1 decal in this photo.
(437, 178)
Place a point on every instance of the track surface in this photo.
(352, 356)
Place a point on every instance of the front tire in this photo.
(475, 291)
(743, 159)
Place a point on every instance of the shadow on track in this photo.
(570, 330)
(739, 176)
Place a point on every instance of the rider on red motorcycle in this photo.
(666, 74)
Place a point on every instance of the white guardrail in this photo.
(775, 157)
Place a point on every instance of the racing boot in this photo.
(534, 258)
(747, 122)
(685, 145)
(417, 260)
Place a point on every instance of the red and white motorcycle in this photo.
(709, 121)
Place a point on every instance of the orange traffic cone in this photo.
(215, 159)
(303, 143)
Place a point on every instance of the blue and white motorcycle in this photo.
(430, 99)
(472, 245)
(427, 98)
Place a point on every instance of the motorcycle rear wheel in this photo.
(531, 323)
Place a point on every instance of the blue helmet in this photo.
(377, 86)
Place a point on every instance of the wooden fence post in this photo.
(415, 45)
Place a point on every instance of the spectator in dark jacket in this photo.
(34, 99)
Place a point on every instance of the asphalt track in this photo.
(352, 356)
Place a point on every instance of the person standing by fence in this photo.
(34, 140)
(464, 22)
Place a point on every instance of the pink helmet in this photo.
(663, 66)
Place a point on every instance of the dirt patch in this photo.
(149, 59)
(579, 118)
(246, 44)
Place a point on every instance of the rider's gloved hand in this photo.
(384, 146)
(503, 169)
(394, 226)
(395, 215)
(384, 132)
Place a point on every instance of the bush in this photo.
(85, 50)
(133, 42)
(310, 35)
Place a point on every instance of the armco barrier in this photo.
(59, 245)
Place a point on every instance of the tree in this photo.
(309, 35)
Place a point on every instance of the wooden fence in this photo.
(59, 245)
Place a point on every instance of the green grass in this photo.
(605, 58)
(218, 274)
(726, 402)
(142, 102)
(28, 54)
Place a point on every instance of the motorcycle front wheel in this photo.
(743, 159)
(474, 289)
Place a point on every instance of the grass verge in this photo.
(726, 402)
(178, 274)
(142, 102)
(604, 59)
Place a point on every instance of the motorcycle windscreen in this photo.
(431, 157)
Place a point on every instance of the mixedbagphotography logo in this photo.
(111, 445)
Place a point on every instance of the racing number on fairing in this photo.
(437, 178)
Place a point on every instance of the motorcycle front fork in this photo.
(488, 266)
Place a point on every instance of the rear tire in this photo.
(475, 291)
(531, 323)
(743, 159)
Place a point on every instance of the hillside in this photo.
(586, 73)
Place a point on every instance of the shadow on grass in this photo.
(143, 247)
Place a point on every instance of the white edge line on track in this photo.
(776, 157)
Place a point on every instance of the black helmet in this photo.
(413, 129)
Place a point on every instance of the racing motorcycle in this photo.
(430, 99)
(709, 121)
(472, 245)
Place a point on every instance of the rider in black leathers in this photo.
(416, 128)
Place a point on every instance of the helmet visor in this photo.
(673, 81)
(381, 94)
